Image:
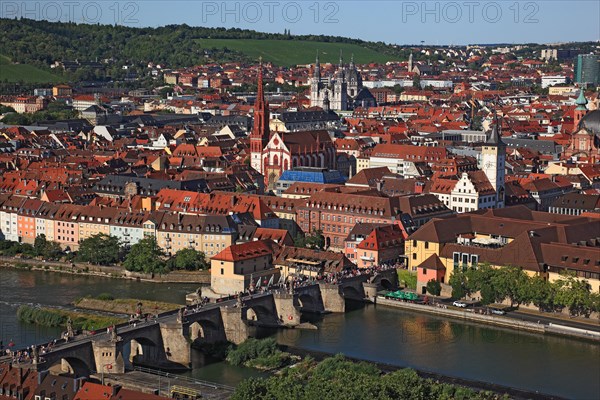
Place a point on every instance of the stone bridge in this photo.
(166, 342)
(329, 297)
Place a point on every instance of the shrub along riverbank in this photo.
(52, 317)
(338, 378)
(261, 354)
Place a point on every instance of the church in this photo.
(584, 144)
(271, 153)
(340, 91)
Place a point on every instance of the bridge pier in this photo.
(333, 300)
(108, 357)
(236, 329)
(177, 347)
(287, 312)
(371, 290)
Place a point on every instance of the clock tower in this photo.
(493, 154)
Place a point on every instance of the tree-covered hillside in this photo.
(42, 43)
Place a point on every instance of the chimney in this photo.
(378, 185)
(532, 234)
(419, 187)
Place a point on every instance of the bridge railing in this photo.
(182, 378)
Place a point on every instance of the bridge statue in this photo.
(113, 334)
(180, 315)
(70, 332)
(239, 303)
(35, 358)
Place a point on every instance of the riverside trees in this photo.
(498, 284)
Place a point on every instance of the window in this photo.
(414, 256)
(456, 259)
(222, 271)
(426, 245)
(465, 261)
(414, 243)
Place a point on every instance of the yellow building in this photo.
(210, 234)
(540, 243)
(238, 267)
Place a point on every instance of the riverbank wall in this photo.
(499, 321)
(200, 277)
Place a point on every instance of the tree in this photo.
(145, 256)
(398, 89)
(434, 288)
(99, 249)
(190, 260)
(39, 245)
(539, 292)
(46, 249)
(574, 294)
(460, 285)
(507, 282)
(315, 240)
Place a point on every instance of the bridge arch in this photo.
(258, 313)
(386, 284)
(204, 330)
(352, 293)
(307, 301)
(73, 366)
(142, 350)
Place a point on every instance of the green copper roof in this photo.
(581, 101)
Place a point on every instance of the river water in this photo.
(554, 365)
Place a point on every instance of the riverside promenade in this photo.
(559, 327)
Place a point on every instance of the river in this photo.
(548, 364)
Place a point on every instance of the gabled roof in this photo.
(432, 262)
(383, 237)
(246, 251)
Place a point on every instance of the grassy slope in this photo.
(292, 52)
(24, 72)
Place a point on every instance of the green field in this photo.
(292, 52)
(24, 72)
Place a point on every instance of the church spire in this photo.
(580, 111)
(341, 59)
(317, 72)
(260, 129)
(495, 138)
(581, 101)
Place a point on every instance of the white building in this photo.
(552, 80)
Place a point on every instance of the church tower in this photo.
(315, 84)
(493, 154)
(580, 110)
(260, 130)
(410, 63)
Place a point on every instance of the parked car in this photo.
(460, 304)
(497, 311)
